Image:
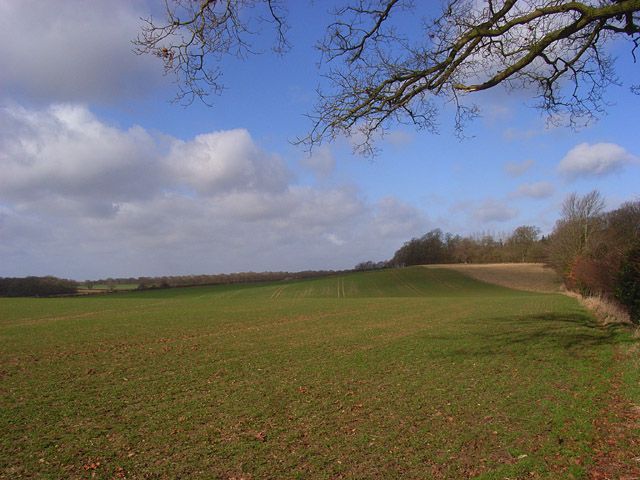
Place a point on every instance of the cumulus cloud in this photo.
(65, 152)
(221, 161)
(64, 51)
(517, 169)
(82, 198)
(534, 190)
(594, 160)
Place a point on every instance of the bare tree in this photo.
(573, 231)
(196, 34)
(583, 212)
(557, 49)
(522, 241)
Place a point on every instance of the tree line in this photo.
(36, 287)
(598, 252)
(53, 286)
(145, 283)
(524, 244)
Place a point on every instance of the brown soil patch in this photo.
(535, 277)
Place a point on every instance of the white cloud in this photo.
(222, 161)
(321, 162)
(392, 218)
(398, 138)
(594, 160)
(534, 190)
(516, 169)
(334, 239)
(82, 198)
(73, 50)
(493, 211)
(64, 151)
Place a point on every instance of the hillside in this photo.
(535, 277)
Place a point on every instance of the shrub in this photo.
(628, 284)
(591, 276)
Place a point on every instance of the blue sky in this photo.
(102, 176)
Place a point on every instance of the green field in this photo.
(414, 373)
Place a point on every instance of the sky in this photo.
(101, 175)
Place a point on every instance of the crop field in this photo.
(414, 373)
(523, 276)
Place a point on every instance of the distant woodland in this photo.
(36, 287)
(144, 283)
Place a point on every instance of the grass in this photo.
(412, 373)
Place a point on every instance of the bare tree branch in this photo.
(196, 34)
(555, 48)
(376, 77)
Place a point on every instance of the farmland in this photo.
(412, 373)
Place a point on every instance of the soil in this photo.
(535, 277)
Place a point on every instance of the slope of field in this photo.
(521, 276)
(412, 373)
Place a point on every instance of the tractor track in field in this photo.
(341, 291)
(277, 292)
(40, 320)
(405, 283)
